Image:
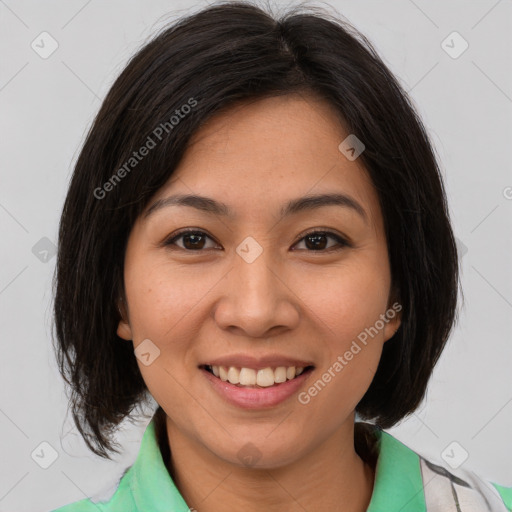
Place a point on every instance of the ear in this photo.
(393, 318)
(123, 328)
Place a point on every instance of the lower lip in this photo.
(256, 398)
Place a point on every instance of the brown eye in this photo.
(192, 240)
(317, 241)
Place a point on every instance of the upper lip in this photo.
(257, 363)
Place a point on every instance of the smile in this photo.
(250, 377)
(251, 388)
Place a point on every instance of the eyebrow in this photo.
(301, 204)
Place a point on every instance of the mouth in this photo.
(244, 377)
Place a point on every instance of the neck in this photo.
(330, 477)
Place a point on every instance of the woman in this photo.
(256, 235)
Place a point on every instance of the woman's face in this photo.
(253, 290)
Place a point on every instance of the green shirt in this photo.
(404, 482)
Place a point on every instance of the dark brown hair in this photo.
(223, 55)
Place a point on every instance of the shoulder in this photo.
(145, 485)
(405, 480)
(119, 497)
(463, 489)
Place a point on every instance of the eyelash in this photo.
(342, 242)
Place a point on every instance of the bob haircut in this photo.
(213, 60)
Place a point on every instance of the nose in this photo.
(256, 300)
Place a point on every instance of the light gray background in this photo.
(48, 104)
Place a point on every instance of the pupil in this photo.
(193, 237)
(316, 244)
(191, 241)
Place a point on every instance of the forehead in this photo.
(264, 152)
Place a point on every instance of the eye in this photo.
(316, 241)
(193, 240)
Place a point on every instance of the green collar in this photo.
(398, 484)
(147, 485)
(150, 483)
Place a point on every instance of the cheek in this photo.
(347, 300)
(161, 305)
(348, 306)
(161, 300)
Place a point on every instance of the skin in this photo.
(292, 300)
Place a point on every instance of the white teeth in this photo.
(265, 377)
(233, 375)
(247, 377)
(280, 374)
(250, 377)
